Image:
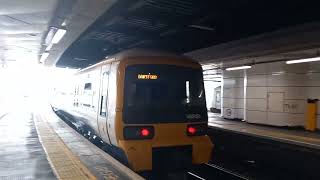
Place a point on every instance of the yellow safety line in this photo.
(63, 162)
(288, 136)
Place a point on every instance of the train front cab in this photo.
(163, 120)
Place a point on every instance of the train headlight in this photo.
(138, 132)
(197, 129)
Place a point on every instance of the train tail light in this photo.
(144, 132)
(138, 132)
(192, 130)
(197, 129)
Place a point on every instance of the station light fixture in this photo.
(212, 75)
(201, 27)
(303, 60)
(44, 56)
(238, 68)
(58, 36)
(49, 47)
(209, 66)
(53, 37)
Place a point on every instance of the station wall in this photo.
(272, 93)
(233, 94)
(210, 89)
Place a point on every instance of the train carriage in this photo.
(149, 106)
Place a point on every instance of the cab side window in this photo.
(104, 94)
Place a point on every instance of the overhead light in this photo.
(64, 23)
(44, 56)
(238, 68)
(49, 47)
(303, 60)
(50, 35)
(278, 73)
(80, 59)
(212, 76)
(202, 27)
(58, 36)
(209, 66)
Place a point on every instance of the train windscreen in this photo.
(163, 94)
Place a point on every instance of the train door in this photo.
(103, 104)
(112, 90)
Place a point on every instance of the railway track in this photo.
(212, 171)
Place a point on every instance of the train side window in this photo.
(87, 86)
(103, 106)
(104, 94)
(187, 92)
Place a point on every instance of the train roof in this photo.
(136, 53)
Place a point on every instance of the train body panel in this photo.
(147, 105)
(170, 136)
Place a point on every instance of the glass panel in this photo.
(163, 93)
(87, 86)
(103, 107)
(104, 94)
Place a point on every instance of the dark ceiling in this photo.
(181, 26)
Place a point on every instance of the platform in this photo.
(36, 144)
(21, 153)
(290, 136)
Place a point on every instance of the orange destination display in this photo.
(147, 76)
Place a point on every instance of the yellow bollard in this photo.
(311, 123)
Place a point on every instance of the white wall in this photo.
(233, 94)
(274, 93)
(209, 90)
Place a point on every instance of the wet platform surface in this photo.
(290, 136)
(36, 144)
(99, 163)
(21, 153)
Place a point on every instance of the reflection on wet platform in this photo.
(21, 153)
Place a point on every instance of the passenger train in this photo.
(148, 106)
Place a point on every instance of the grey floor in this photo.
(21, 153)
(283, 134)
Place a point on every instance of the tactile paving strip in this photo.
(64, 163)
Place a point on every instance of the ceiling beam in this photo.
(297, 38)
(80, 17)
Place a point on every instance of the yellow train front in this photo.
(161, 115)
(149, 108)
